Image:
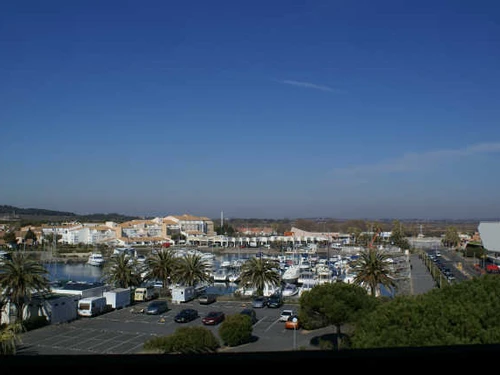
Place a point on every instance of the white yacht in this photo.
(234, 276)
(96, 259)
(291, 274)
(324, 274)
(307, 286)
(305, 276)
(221, 274)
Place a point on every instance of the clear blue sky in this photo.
(259, 109)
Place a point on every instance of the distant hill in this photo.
(11, 213)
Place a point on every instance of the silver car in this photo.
(156, 307)
(259, 302)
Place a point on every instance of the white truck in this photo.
(183, 294)
(118, 298)
(92, 306)
(145, 293)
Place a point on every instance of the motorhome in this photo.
(145, 293)
(92, 306)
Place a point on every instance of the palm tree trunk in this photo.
(337, 338)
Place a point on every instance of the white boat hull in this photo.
(96, 260)
(291, 274)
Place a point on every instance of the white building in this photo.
(490, 235)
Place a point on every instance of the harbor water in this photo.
(87, 273)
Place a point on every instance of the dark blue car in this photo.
(275, 301)
(186, 315)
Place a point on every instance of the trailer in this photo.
(183, 294)
(118, 298)
(55, 308)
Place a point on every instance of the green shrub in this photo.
(236, 330)
(184, 340)
(156, 343)
(325, 344)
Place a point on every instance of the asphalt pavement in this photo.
(421, 279)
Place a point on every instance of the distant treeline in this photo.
(16, 211)
(34, 216)
(411, 227)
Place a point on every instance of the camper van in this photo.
(92, 306)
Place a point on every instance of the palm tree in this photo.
(20, 279)
(9, 338)
(122, 272)
(373, 269)
(191, 269)
(161, 266)
(258, 272)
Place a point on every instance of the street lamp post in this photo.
(294, 319)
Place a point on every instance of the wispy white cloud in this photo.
(417, 161)
(308, 85)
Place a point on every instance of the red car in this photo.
(213, 318)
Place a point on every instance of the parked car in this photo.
(275, 301)
(207, 299)
(259, 302)
(292, 322)
(158, 284)
(156, 307)
(285, 314)
(251, 314)
(213, 318)
(186, 315)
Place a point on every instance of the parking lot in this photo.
(125, 331)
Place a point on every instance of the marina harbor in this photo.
(299, 269)
(124, 331)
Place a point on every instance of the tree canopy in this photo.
(122, 272)
(333, 304)
(373, 268)
(451, 237)
(161, 266)
(21, 278)
(258, 272)
(191, 269)
(398, 236)
(462, 313)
